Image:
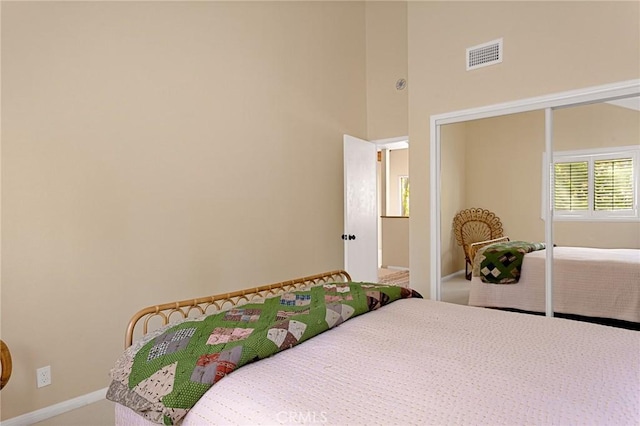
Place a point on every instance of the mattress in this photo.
(602, 283)
(423, 362)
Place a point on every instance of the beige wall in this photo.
(386, 58)
(593, 126)
(549, 47)
(154, 151)
(386, 28)
(395, 242)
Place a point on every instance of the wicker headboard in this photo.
(164, 314)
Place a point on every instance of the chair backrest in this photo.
(475, 225)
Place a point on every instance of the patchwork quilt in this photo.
(501, 263)
(163, 376)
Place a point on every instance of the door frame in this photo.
(399, 142)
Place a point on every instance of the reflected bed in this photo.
(588, 282)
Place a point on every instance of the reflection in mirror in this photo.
(492, 164)
(596, 228)
(496, 164)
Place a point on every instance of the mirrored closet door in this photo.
(495, 158)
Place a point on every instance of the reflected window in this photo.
(613, 184)
(571, 190)
(596, 184)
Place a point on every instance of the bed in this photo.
(589, 283)
(416, 361)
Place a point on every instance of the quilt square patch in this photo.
(292, 299)
(337, 288)
(490, 269)
(225, 335)
(283, 315)
(243, 315)
(337, 293)
(337, 297)
(507, 259)
(170, 342)
(212, 367)
(287, 333)
(376, 299)
(337, 313)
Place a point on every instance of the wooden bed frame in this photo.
(5, 364)
(194, 308)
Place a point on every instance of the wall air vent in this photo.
(484, 54)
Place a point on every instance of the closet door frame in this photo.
(548, 103)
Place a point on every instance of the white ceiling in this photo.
(631, 103)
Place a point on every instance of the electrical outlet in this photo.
(43, 376)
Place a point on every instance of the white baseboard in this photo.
(56, 409)
(399, 268)
(450, 276)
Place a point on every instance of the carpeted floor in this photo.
(390, 276)
(452, 290)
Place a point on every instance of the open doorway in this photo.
(376, 209)
(394, 208)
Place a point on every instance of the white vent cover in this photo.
(484, 54)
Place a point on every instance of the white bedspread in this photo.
(423, 362)
(602, 283)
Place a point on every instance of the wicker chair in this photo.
(475, 228)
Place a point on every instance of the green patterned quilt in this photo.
(501, 263)
(163, 376)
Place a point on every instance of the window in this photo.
(404, 195)
(571, 186)
(598, 184)
(613, 184)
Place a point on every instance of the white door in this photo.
(360, 209)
